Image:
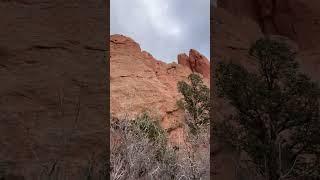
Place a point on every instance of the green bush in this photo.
(151, 129)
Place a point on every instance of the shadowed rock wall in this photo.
(53, 96)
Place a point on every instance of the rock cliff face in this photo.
(140, 83)
(53, 88)
(235, 25)
(196, 62)
(296, 19)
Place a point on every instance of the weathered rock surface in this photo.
(295, 19)
(53, 87)
(183, 59)
(140, 83)
(196, 62)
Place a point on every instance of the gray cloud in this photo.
(164, 28)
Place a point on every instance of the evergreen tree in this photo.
(277, 121)
(196, 100)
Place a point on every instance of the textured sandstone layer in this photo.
(140, 83)
(53, 86)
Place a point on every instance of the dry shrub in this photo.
(139, 150)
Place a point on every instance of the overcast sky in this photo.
(164, 28)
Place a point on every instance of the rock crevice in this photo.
(196, 62)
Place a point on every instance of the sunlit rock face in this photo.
(139, 83)
(196, 62)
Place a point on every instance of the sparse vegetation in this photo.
(276, 123)
(139, 150)
(196, 102)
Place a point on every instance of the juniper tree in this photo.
(276, 122)
(195, 101)
(196, 97)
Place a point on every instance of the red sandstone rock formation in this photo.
(140, 83)
(196, 62)
(183, 59)
(199, 63)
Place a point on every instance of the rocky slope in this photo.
(237, 24)
(140, 83)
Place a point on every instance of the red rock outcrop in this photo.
(140, 83)
(183, 59)
(196, 62)
(199, 63)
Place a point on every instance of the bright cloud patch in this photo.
(164, 27)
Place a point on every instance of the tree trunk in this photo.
(273, 168)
